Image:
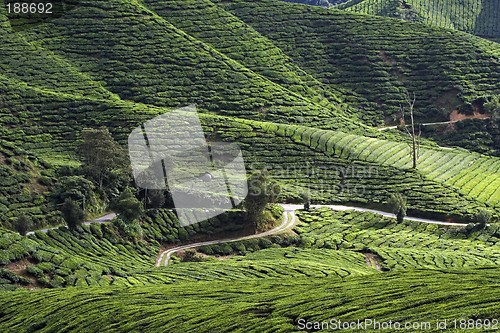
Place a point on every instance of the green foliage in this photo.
(23, 224)
(307, 201)
(261, 192)
(262, 305)
(73, 213)
(130, 229)
(397, 202)
(472, 16)
(101, 154)
(21, 193)
(127, 206)
(492, 106)
(387, 58)
(468, 173)
(406, 245)
(483, 217)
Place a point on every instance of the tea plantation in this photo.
(376, 60)
(475, 17)
(304, 92)
(409, 245)
(264, 305)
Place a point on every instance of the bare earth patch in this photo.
(373, 260)
(456, 116)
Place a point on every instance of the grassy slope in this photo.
(257, 306)
(380, 58)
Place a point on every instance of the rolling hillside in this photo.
(153, 70)
(260, 305)
(379, 59)
(84, 82)
(476, 17)
(304, 92)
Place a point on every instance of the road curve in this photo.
(379, 212)
(430, 124)
(288, 223)
(102, 219)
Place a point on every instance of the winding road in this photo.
(102, 219)
(430, 124)
(288, 222)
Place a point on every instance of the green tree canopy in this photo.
(73, 213)
(23, 224)
(261, 191)
(104, 159)
(398, 206)
(127, 206)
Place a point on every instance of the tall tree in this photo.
(306, 198)
(483, 217)
(398, 206)
(127, 206)
(23, 223)
(101, 154)
(73, 213)
(415, 138)
(261, 191)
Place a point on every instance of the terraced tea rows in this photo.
(229, 35)
(167, 68)
(408, 245)
(271, 263)
(475, 17)
(263, 305)
(475, 176)
(64, 258)
(23, 182)
(376, 60)
(332, 177)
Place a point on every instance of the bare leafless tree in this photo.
(415, 138)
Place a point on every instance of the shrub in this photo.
(127, 206)
(23, 224)
(9, 275)
(35, 271)
(57, 282)
(265, 243)
(183, 235)
(46, 267)
(73, 213)
(483, 217)
(207, 249)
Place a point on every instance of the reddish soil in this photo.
(19, 267)
(456, 116)
(373, 260)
